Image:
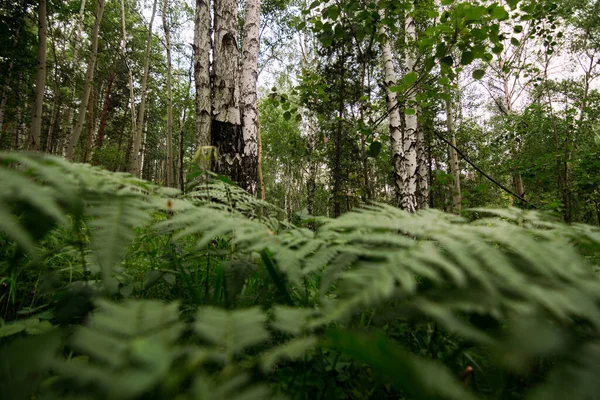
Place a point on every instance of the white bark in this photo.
(249, 97)
(124, 51)
(202, 47)
(169, 166)
(40, 79)
(74, 137)
(394, 113)
(136, 159)
(454, 167)
(408, 189)
(76, 35)
(226, 97)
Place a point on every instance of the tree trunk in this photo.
(249, 99)
(395, 121)
(408, 187)
(87, 155)
(202, 47)
(68, 127)
(131, 89)
(74, 137)
(53, 118)
(169, 166)
(226, 127)
(454, 167)
(136, 159)
(337, 168)
(105, 106)
(40, 78)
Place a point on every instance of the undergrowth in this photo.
(112, 288)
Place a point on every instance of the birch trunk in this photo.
(40, 78)
(226, 129)
(169, 166)
(249, 98)
(423, 168)
(131, 90)
(136, 159)
(394, 115)
(202, 47)
(77, 33)
(454, 168)
(408, 187)
(74, 137)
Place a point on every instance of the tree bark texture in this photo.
(395, 121)
(249, 98)
(167, 29)
(40, 78)
(202, 47)
(136, 159)
(105, 108)
(69, 125)
(454, 167)
(226, 129)
(74, 137)
(409, 171)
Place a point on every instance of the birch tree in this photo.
(249, 99)
(74, 137)
(202, 47)
(409, 175)
(136, 160)
(40, 78)
(395, 121)
(166, 27)
(226, 123)
(68, 130)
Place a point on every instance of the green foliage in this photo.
(377, 303)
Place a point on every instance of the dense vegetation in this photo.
(325, 199)
(115, 288)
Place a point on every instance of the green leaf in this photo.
(467, 57)
(333, 12)
(419, 378)
(374, 149)
(478, 73)
(447, 2)
(410, 111)
(499, 13)
(410, 78)
(515, 41)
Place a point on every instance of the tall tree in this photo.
(408, 188)
(202, 48)
(40, 78)
(167, 29)
(74, 137)
(249, 98)
(226, 126)
(136, 159)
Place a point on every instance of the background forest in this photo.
(340, 199)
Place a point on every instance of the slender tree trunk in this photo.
(202, 47)
(337, 169)
(249, 98)
(87, 155)
(454, 167)
(40, 78)
(69, 123)
(131, 89)
(395, 121)
(136, 159)
(169, 166)
(74, 137)
(226, 127)
(105, 106)
(182, 122)
(53, 117)
(517, 178)
(408, 188)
